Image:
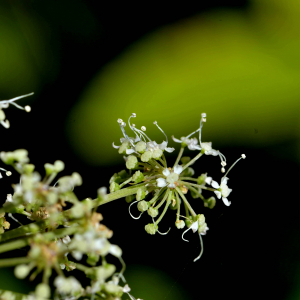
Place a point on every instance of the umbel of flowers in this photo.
(162, 186)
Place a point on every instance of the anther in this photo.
(223, 163)
(123, 124)
(143, 128)
(133, 115)
(155, 122)
(243, 156)
(120, 121)
(223, 170)
(27, 108)
(8, 173)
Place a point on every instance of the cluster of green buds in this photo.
(159, 184)
(58, 237)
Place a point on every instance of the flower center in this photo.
(172, 178)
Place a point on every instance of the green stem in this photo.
(10, 262)
(162, 162)
(179, 156)
(58, 233)
(81, 267)
(189, 178)
(162, 201)
(165, 209)
(193, 160)
(125, 182)
(178, 206)
(195, 191)
(186, 202)
(199, 186)
(156, 196)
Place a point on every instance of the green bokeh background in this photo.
(92, 63)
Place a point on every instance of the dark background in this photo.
(251, 249)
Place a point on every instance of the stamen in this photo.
(243, 156)
(136, 218)
(143, 128)
(155, 123)
(120, 121)
(223, 170)
(161, 233)
(184, 233)
(203, 119)
(201, 252)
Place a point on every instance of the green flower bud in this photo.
(142, 206)
(20, 155)
(123, 174)
(21, 271)
(152, 212)
(141, 194)
(201, 219)
(194, 194)
(33, 228)
(151, 228)
(189, 221)
(115, 178)
(179, 224)
(138, 177)
(114, 187)
(42, 290)
(113, 289)
(140, 147)
(146, 156)
(201, 179)
(185, 159)
(202, 227)
(157, 154)
(59, 166)
(28, 168)
(103, 272)
(132, 162)
(49, 169)
(188, 172)
(77, 211)
(92, 259)
(210, 202)
(124, 146)
(52, 198)
(129, 198)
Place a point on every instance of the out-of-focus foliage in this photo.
(26, 57)
(238, 68)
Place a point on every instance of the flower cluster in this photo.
(56, 235)
(162, 185)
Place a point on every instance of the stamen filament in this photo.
(179, 156)
(197, 185)
(232, 166)
(201, 244)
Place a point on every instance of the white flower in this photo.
(192, 143)
(171, 177)
(208, 149)
(223, 190)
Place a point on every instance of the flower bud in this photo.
(129, 198)
(114, 187)
(42, 290)
(59, 166)
(141, 194)
(140, 147)
(201, 179)
(151, 228)
(138, 177)
(142, 206)
(210, 202)
(123, 147)
(179, 224)
(185, 159)
(146, 156)
(49, 168)
(157, 154)
(132, 162)
(152, 212)
(28, 168)
(202, 227)
(21, 271)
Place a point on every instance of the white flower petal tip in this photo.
(226, 201)
(176, 140)
(214, 184)
(166, 172)
(169, 149)
(116, 147)
(178, 169)
(194, 226)
(126, 289)
(218, 194)
(129, 151)
(161, 182)
(136, 218)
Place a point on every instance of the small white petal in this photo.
(116, 147)
(226, 202)
(169, 149)
(161, 182)
(126, 289)
(208, 180)
(129, 151)
(178, 169)
(218, 194)
(166, 172)
(214, 184)
(194, 226)
(163, 145)
(172, 186)
(176, 140)
(224, 180)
